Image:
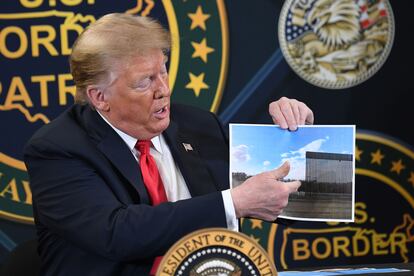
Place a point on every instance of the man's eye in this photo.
(143, 84)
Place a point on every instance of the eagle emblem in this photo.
(336, 43)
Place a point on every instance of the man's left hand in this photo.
(289, 113)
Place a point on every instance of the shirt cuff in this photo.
(232, 222)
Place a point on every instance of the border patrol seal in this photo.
(216, 251)
(32, 95)
(336, 44)
(383, 231)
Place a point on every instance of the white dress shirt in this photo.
(174, 183)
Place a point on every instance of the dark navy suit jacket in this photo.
(91, 208)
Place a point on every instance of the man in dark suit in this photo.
(94, 212)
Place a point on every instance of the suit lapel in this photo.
(193, 168)
(121, 157)
(116, 151)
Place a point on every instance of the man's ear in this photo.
(97, 98)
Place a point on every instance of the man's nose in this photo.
(162, 88)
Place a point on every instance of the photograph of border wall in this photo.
(321, 157)
(326, 191)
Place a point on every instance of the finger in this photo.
(306, 114)
(293, 186)
(309, 119)
(287, 112)
(296, 111)
(281, 172)
(277, 115)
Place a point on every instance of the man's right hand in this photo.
(264, 196)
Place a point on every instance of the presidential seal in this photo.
(336, 44)
(216, 252)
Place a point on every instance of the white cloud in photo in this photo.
(297, 169)
(312, 146)
(241, 153)
(297, 159)
(266, 163)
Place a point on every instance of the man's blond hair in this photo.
(110, 41)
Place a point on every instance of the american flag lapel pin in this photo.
(187, 147)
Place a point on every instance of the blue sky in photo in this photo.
(258, 148)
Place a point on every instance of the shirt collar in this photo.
(131, 141)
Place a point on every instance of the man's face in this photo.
(139, 99)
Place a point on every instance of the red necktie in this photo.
(150, 174)
(152, 181)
